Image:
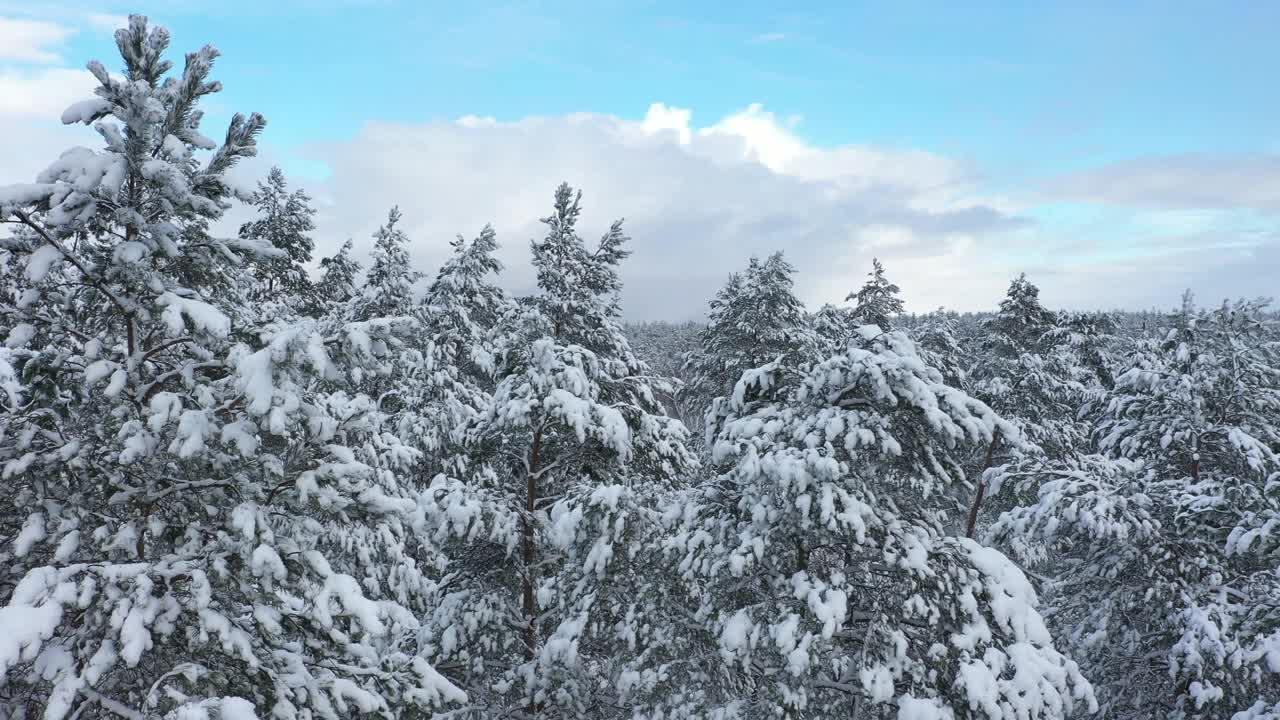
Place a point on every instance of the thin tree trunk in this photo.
(527, 550)
(981, 491)
(129, 234)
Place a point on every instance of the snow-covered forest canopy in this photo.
(241, 489)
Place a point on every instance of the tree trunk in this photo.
(129, 234)
(981, 491)
(528, 552)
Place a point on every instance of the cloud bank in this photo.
(698, 201)
(1179, 181)
(34, 41)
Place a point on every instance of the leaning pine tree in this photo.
(203, 521)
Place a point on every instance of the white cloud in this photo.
(765, 139)
(42, 141)
(31, 41)
(1177, 182)
(44, 92)
(698, 201)
(33, 101)
(1213, 268)
(661, 118)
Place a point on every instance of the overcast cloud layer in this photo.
(700, 199)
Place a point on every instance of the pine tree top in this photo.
(578, 286)
(877, 301)
(1021, 322)
(387, 290)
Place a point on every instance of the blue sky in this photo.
(1090, 123)
(1026, 86)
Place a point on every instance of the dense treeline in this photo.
(240, 490)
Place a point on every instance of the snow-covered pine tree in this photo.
(284, 221)
(754, 320)
(463, 302)
(203, 521)
(339, 274)
(387, 290)
(833, 325)
(1020, 325)
(558, 621)
(937, 335)
(1016, 371)
(453, 385)
(1091, 346)
(820, 579)
(877, 301)
(1166, 585)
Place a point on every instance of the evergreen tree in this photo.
(204, 520)
(833, 326)
(1015, 371)
(338, 275)
(237, 494)
(387, 290)
(1167, 587)
(453, 386)
(1020, 325)
(877, 301)
(386, 296)
(1089, 341)
(574, 450)
(754, 320)
(821, 580)
(283, 222)
(463, 302)
(938, 336)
